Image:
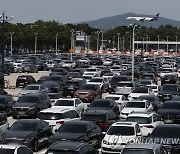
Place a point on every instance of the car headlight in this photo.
(105, 142)
(32, 108)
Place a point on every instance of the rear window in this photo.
(121, 130)
(64, 103)
(94, 118)
(136, 104)
(50, 116)
(139, 120)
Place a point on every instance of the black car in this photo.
(103, 118)
(24, 80)
(6, 103)
(96, 61)
(52, 86)
(169, 79)
(1, 80)
(168, 91)
(105, 104)
(71, 148)
(30, 68)
(42, 66)
(63, 71)
(71, 86)
(168, 135)
(170, 112)
(30, 104)
(78, 130)
(15, 149)
(31, 132)
(71, 75)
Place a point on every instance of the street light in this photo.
(118, 42)
(98, 32)
(133, 52)
(35, 43)
(4, 18)
(176, 44)
(11, 41)
(158, 41)
(102, 39)
(56, 42)
(167, 43)
(72, 42)
(146, 43)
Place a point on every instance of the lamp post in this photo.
(35, 43)
(118, 42)
(4, 18)
(146, 43)
(56, 42)
(102, 39)
(143, 43)
(158, 41)
(72, 41)
(176, 44)
(98, 32)
(167, 44)
(133, 52)
(11, 41)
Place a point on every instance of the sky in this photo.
(74, 11)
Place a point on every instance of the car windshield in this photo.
(7, 151)
(113, 98)
(94, 118)
(50, 116)
(28, 99)
(95, 80)
(136, 104)
(170, 105)
(61, 152)
(137, 151)
(73, 128)
(170, 88)
(139, 120)
(64, 103)
(31, 88)
(88, 87)
(121, 130)
(125, 85)
(100, 103)
(140, 90)
(24, 126)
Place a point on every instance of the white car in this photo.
(68, 64)
(14, 148)
(155, 88)
(108, 75)
(56, 117)
(95, 70)
(139, 91)
(108, 62)
(135, 106)
(70, 103)
(146, 120)
(102, 82)
(119, 135)
(124, 87)
(121, 100)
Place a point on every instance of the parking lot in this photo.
(103, 96)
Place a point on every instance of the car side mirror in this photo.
(138, 134)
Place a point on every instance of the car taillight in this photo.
(148, 126)
(103, 125)
(59, 122)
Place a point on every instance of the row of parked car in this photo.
(98, 106)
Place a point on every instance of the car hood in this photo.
(28, 91)
(97, 108)
(168, 112)
(67, 136)
(18, 134)
(24, 105)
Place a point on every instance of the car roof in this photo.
(55, 110)
(67, 145)
(143, 146)
(124, 124)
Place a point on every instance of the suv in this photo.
(146, 148)
(118, 136)
(31, 104)
(103, 118)
(72, 147)
(24, 80)
(3, 123)
(56, 117)
(146, 120)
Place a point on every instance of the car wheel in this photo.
(35, 146)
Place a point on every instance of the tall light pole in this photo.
(35, 43)
(4, 18)
(158, 41)
(167, 44)
(133, 52)
(176, 44)
(56, 43)
(102, 39)
(137, 43)
(146, 43)
(72, 41)
(118, 42)
(97, 48)
(11, 41)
